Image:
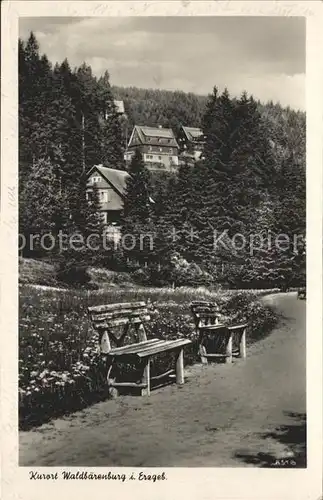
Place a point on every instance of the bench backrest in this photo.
(113, 322)
(205, 313)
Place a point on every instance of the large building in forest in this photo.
(157, 145)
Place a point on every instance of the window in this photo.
(95, 178)
(160, 149)
(159, 157)
(150, 148)
(104, 196)
(170, 150)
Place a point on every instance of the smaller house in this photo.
(191, 142)
(119, 107)
(111, 185)
(157, 145)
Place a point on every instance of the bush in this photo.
(37, 272)
(73, 274)
(178, 272)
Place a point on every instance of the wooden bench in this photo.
(301, 293)
(113, 322)
(216, 340)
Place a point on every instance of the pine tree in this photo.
(213, 186)
(86, 221)
(137, 216)
(67, 131)
(88, 106)
(112, 144)
(137, 205)
(218, 127)
(39, 202)
(30, 111)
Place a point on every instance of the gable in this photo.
(135, 138)
(152, 136)
(193, 134)
(97, 178)
(109, 177)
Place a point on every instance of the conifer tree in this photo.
(137, 205)
(39, 202)
(88, 106)
(112, 144)
(137, 216)
(86, 221)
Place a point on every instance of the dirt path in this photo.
(245, 414)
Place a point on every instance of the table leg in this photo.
(180, 368)
(228, 358)
(243, 350)
(146, 379)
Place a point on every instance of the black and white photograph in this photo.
(162, 245)
(162, 242)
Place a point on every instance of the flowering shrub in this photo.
(60, 366)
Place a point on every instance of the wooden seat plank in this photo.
(134, 348)
(236, 327)
(168, 345)
(219, 326)
(117, 350)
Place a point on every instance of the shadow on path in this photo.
(292, 436)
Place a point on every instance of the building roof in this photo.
(193, 133)
(151, 135)
(120, 106)
(117, 178)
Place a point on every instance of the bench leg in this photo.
(202, 352)
(180, 368)
(146, 379)
(113, 391)
(243, 351)
(228, 353)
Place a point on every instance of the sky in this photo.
(263, 55)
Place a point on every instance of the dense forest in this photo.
(237, 218)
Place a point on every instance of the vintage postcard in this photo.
(161, 303)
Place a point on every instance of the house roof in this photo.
(120, 106)
(151, 135)
(193, 133)
(117, 178)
